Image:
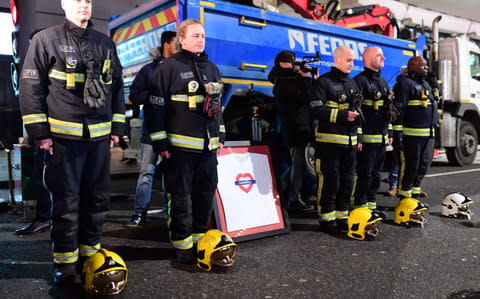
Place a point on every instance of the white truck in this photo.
(458, 69)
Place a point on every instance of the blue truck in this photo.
(244, 40)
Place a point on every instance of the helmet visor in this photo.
(372, 229)
(417, 217)
(109, 283)
(224, 257)
(464, 210)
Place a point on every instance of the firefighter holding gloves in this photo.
(378, 109)
(335, 105)
(186, 127)
(72, 102)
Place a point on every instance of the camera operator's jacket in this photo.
(417, 108)
(52, 85)
(171, 123)
(292, 92)
(332, 96)
(375, 90)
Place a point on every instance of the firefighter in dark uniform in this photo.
(377, 106)
(335, 104)
(415, 101)
(187, 129)
(72, 101)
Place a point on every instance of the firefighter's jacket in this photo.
(375, 91)
(177, 120)
(52, 85)
(416, 105)
(334, 94)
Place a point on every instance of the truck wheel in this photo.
(465, 152)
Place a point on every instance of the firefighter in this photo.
(186, 128)
(335, 106)
(72, 102)
(377, 108)
(415, 101)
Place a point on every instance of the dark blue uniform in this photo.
(335, 142)
(52, 101)
(375, 134)
(418, 116)
(179, 125)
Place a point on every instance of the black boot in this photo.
(64, 274)
(36, 226)
(187, 256)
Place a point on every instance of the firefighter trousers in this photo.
(191, 180)
(369, 165)
(335, 167)
(414, 163)
(78, 176)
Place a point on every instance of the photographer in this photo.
(292, 92)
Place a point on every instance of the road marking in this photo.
(13, 262)
(451, 172)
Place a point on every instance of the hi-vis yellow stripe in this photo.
(147, 24)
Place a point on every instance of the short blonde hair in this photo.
(182, 29)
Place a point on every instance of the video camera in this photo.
(303, 64)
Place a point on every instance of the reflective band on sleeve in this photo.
(65, 127)
(89, 250)
(65, 257)
(100, 129)
(118, 118)
(222, 129)
(390, 127)
(186, 141)
(158, 135)
(184, 244)
(34, 118)
(213, 143)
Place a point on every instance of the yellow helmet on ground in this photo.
(215, 248)
(408, 211)
(104, 273)
(363, 222)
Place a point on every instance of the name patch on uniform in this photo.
(186, 75)
(30, 74)
(316, 104)
(154, 100)
(66, 48)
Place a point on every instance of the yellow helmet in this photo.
(363, 222)
(215, 248)
(408, 211)
(104, 273)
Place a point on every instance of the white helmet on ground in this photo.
(456, 205)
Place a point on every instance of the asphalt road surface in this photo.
(441, 260)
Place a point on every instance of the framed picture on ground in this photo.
(247, 204)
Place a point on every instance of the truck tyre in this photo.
(466, 149)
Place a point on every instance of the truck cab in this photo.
(459, 72)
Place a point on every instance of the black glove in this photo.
(213, 99)
(390, 111)
(94, 94)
